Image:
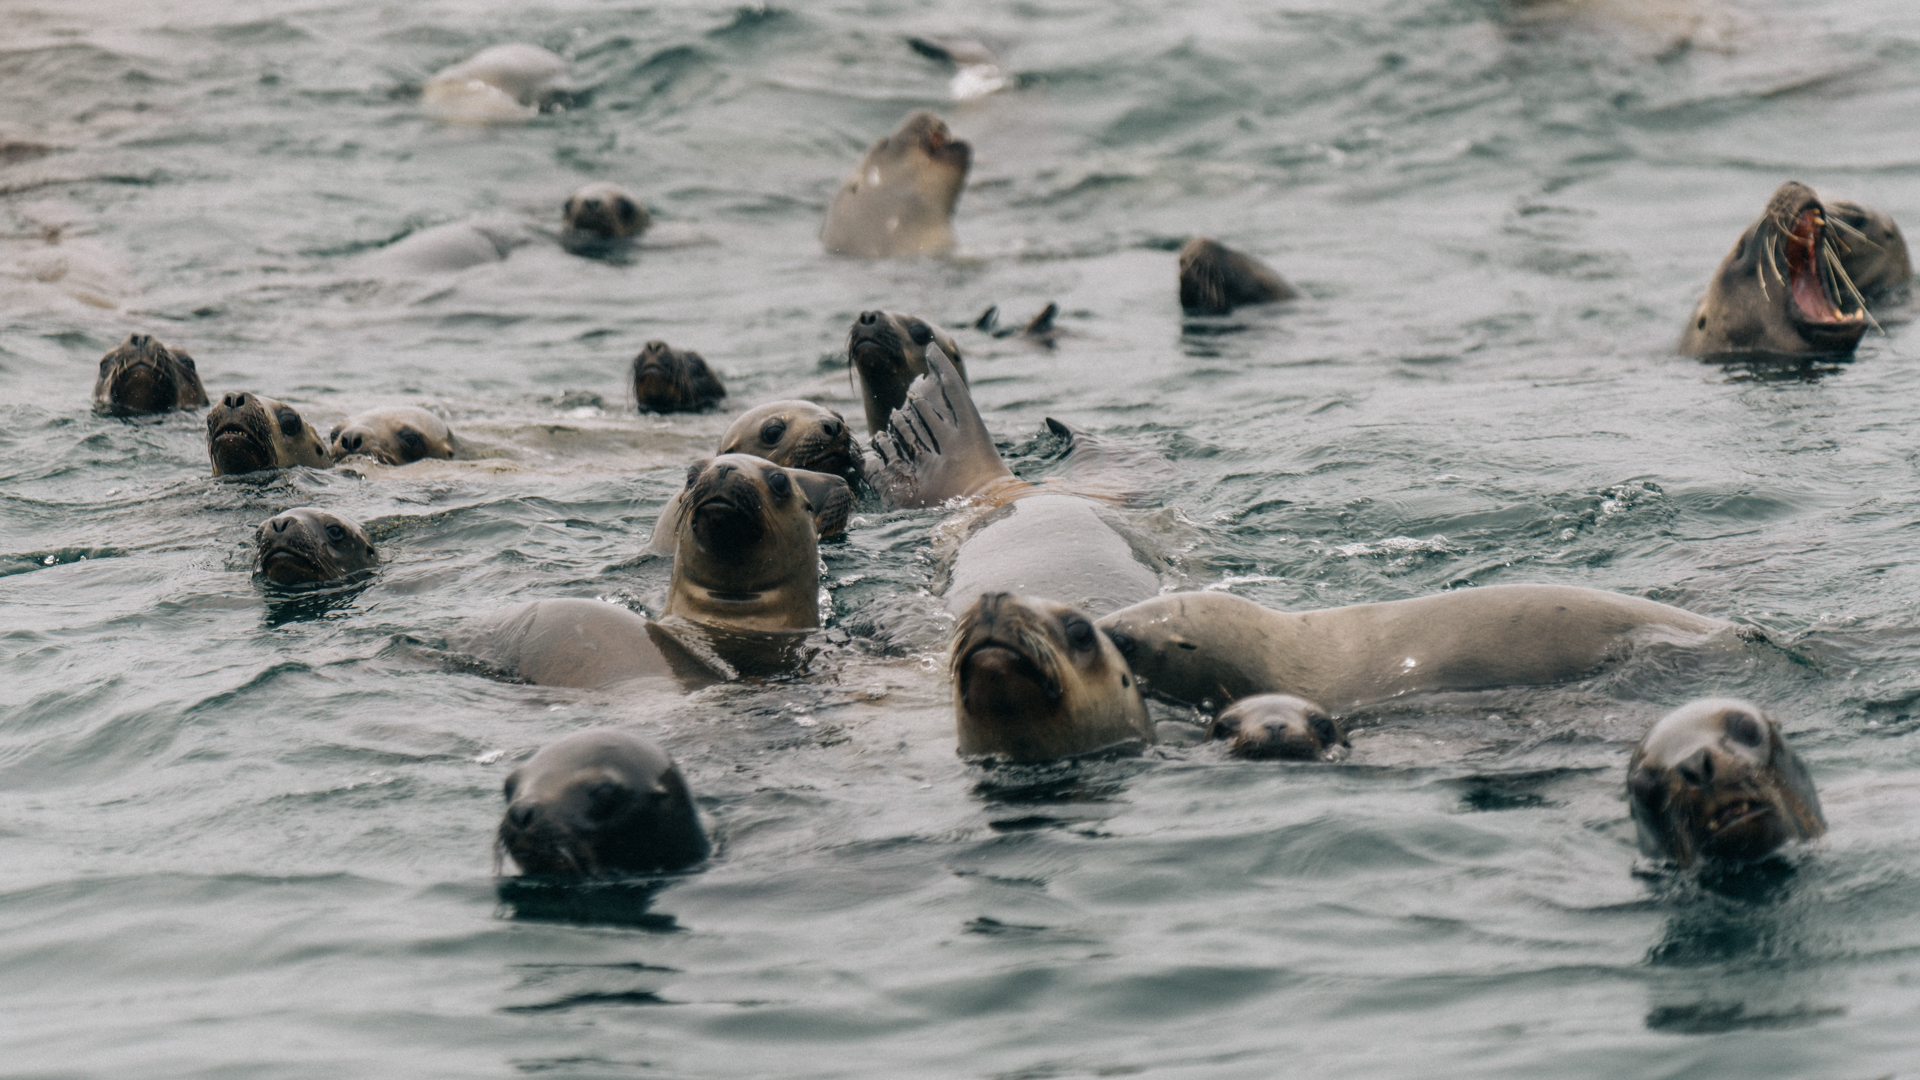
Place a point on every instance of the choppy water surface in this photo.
(246, 837)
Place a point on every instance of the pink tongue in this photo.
(1807, 293)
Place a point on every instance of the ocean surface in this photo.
(246, 834)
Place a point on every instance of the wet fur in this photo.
(141, 375)
(1215, 279)
(316, 557)
(270, 435)
(600, 804)
(888, 350)
(1091, 701)
(1713, 761)
(668, 380)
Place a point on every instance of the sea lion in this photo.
(1787, 288)
(889, 350)
(1040, 329)
(456, 245)
(1267, 726)
(1215, 279)
(1033, 681)
(310, 546)
(602, 213)
(247, 433)
(746, 558)
(977, 71)
(600, 804)
(1213, 648)
(141, 375)
(794, 434)
(1715, 779)
(393, 436)
(900, 199)
(502, 85)
(666, 379)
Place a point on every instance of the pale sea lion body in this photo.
(900, 199)
(794, 434)
(456, 245)
(888, 350)
(1033, 681)
(600, 804)
(502, 85)
(666, 380)
(1213, 648)
(396, 435)
(1215, 279)
(141, 375)
(602, 213)
(247, 433)
(1715, 779)
(1278, 726)
(1777, 293)
(310, 546)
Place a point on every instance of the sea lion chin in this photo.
(900, 199)
(1715, 780)
(310, 546)
(247, 433)
(793, 434)
(888, 350)
(600, 804)
(143, 376)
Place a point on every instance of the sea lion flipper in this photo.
(1041, 327)
(938, 445)
(1107, 469)
(830, 497)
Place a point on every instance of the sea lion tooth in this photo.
(1715, 780)
(247, 433)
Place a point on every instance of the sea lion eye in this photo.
(1744, 729)
(779, 484)
(335, 533)
(1080, 634)
(693, 472)
(1324, 730)
(627, 210)
(1121, 640)
(773, 432)
(605, 800)
(412, 443)
(289, 422)
(920, 332)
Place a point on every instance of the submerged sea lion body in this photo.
(900, 199)
(310, 546)
(1215, 279)
(247, 433)
(666, 380)
(794, 434)
(456, 245)
(394, 436)
(141, 375)
(600, 804)
(1213, 648)
(1715, 779)
(505, 84)
(888, 351)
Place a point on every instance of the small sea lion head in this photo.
(747, 547)
(600, 804)
(1267, 726)
(1783, 289)
(889, 351)
(308, 546)
(1034, 681)
(247, 433)
(1715, 780)
(797, 434)
(1215, 279)
(1872, 251)
(143, 376)
(666, 379)
(604, 212)
(1194, 648)
(391, 436)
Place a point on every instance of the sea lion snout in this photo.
(1715, 779)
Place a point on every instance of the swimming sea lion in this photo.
(1213, 647)
(600, 804)
(1715, 779)
(1215, 279)
(978, 72)
(888, 351)
(900, 200)
(795, 434)
(143, 376)
(501, 85)
(1033, 681)
(307, 546)
(603, 213)
(392, 436)
(1040, 329)
(1786, 288)
(1872, 252)
(666, 379)
(455, 245)
(247, 433)
(1278, 726)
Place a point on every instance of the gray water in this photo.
(242, 835)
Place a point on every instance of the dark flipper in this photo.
(1041, 328)
(935, 447)
(988, 319)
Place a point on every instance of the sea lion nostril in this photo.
(280, 524)
(868, 318)
(521, 816)
(139, 341)
(234, 400)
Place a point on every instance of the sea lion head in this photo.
(1034, 681)
(1268, 726)
(941, 161)
(604, 212)
(1215, 279)
(796, 434)
(889, 350)
(600, 804)
(308, 546)
(392, 436)
(900, 199)
(247, 433)
(1196, 648)
(1872, 251)
(747, 550)
(1715, 779)
(666, 379)
(143, 376)
(1783, 289)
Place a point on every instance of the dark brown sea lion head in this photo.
(1267, 726)
(889, 351)
(666, 379)
(796, 434)
(394, 436)
(747, 553)
(1715, 780)
(1872, 251)
(308, 546)
(600, 804)
(1034, 681)
(604, 212)
(247, 433)
(1215, 279)
(143, 376)
(1783, 290)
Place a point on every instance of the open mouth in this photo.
(721, 524)
(1811, 273)
(232, 435)
(1735, 814)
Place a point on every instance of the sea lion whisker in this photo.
(1840, 275)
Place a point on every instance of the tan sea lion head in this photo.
(247, 433)
(393, 436)
(1269, 726)
(900, 199)
(310, 546)
(747, 549)
(796, 434)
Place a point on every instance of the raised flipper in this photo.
(935, 447)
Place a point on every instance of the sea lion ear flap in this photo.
(829, 497)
